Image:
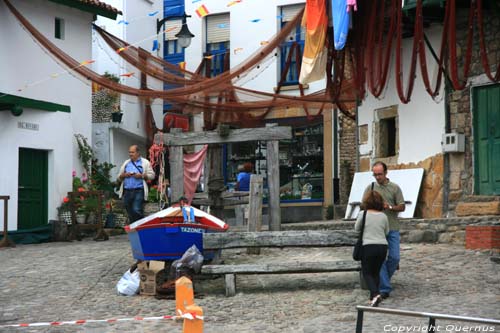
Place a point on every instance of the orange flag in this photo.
(314, 59)
(202, 11)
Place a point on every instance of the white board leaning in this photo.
(409, 181)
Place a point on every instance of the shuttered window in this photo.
(217, 28)
(172, 27)
(289, 12)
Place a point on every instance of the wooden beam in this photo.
(292, 238)
(273, 181)
(284, 267)
(255, 207)
(176, 160)
(215, 182)
(235, 135)
(328, 159)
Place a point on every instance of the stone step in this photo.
(478, 208)
(481, 198)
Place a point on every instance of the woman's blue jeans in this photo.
(391, 263)
(133, 200)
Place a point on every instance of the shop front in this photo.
(302, 168)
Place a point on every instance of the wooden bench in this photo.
(278, 239)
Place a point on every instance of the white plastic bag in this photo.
(129, 283)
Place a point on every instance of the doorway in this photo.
(486, 114)
(32, 210)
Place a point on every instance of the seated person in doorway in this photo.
(243, 178)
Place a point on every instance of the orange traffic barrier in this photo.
(184, 294)
(194, 325)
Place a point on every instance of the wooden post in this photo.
(6, 242)
(176, 160)
(255, 207)
(194, 325)
(215, 180)
(328, 142)
(273, 182)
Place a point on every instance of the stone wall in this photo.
(104, 102)
(347, 155)
(430, 199)
(461, 164)
(439, 230)
(442, 230)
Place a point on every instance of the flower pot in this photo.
(65, 216)
(116, 117)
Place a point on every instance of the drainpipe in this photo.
(357, 136)
(447, 128)
(446, 157)
(335, 141)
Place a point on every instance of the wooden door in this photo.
(32, 208)
(486, 115)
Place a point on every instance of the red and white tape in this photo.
(190, 316)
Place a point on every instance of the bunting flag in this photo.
(182, 65)
(202, 11)
(171, 28)
(341, 19)
(238, 49)
(314, 58)
(129, 74)
(232, 3)
(86, 62)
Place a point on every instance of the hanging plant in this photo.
(85, 152)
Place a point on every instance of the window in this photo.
(386, 133)
(217, 28)
(59, 28)
(388, 130)
(173, 50)
(296, 37)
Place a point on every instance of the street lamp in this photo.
(184, 36)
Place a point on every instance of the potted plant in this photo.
(116, 116)
(64, 212)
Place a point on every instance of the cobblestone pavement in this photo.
(68, 281)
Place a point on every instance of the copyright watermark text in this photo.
(439, 328)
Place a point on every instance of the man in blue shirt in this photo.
(133, 189)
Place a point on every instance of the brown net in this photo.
(194, 93)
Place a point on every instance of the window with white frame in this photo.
(295, 38)
(217, 47)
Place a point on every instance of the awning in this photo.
(15, 104)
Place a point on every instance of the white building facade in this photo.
(137, 26)
(43, 105)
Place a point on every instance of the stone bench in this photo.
(278, 239)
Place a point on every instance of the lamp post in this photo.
(184, 35)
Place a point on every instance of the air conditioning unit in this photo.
(453, 143)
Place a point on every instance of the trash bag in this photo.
(129, 283)
(189, 264)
